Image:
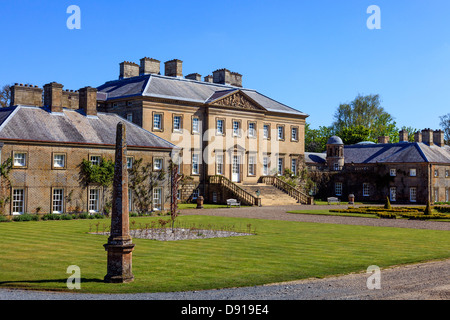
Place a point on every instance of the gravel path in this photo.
(279, 213)
(418, 281)
(424, 281)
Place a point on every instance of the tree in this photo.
(365, 111)
(445, 125)
(355, 134)
(142, 181)
(100, 174)
(316, 139)
(5, 96)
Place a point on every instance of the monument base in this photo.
(119, 263)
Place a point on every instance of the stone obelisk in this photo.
(120, 246)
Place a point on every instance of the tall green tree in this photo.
(365, 111)
(316, 139)
(355, 134)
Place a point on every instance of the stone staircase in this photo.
(270, 195)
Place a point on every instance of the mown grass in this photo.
(36, 255)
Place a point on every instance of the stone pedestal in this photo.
(120, 246)
(119, 263)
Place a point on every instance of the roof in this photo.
(335, 140)
(313, 157)
(158, 86)
(402, 152)
(27, 123)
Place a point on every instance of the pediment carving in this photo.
(238, 100)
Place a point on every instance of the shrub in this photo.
(387, 205)
(386, 215)
(51, 216)
(3, 219)
(26, 217)
(428, 210)
(83, 215)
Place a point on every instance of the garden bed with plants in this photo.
(165, 230)
(412, 213)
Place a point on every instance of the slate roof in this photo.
(402, 152)
(175, 88)
(27, 123)
(313, 157)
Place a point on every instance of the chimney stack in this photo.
(88, 100)
(418, 137)
(173, 68)
(438, 138)
(427, 136)
(383, 139)
(209, 78)
(403, 136)
(225, 76)
(194, 76)
(149, 66)
(28, 95)
(128, 69)
(53, 96)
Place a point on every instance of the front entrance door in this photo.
(236, 169)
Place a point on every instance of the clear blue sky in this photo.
(310, 55)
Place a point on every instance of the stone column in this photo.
(120, 246)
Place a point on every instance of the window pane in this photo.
(157, 121)
(176, 123)
(19, 159)
(95, 160)
(58, 196)
(195, 163)
(157, 204)
(338, 188)
(18, 201)
(59, 161)
(220, 126)
(195, 122)
(93, 200)
(219, 164)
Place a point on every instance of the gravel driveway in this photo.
(418, 281)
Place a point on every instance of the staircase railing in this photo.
(243, 196)
(300, 196)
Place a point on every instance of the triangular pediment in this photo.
(234, 99)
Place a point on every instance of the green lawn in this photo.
(36, 254)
